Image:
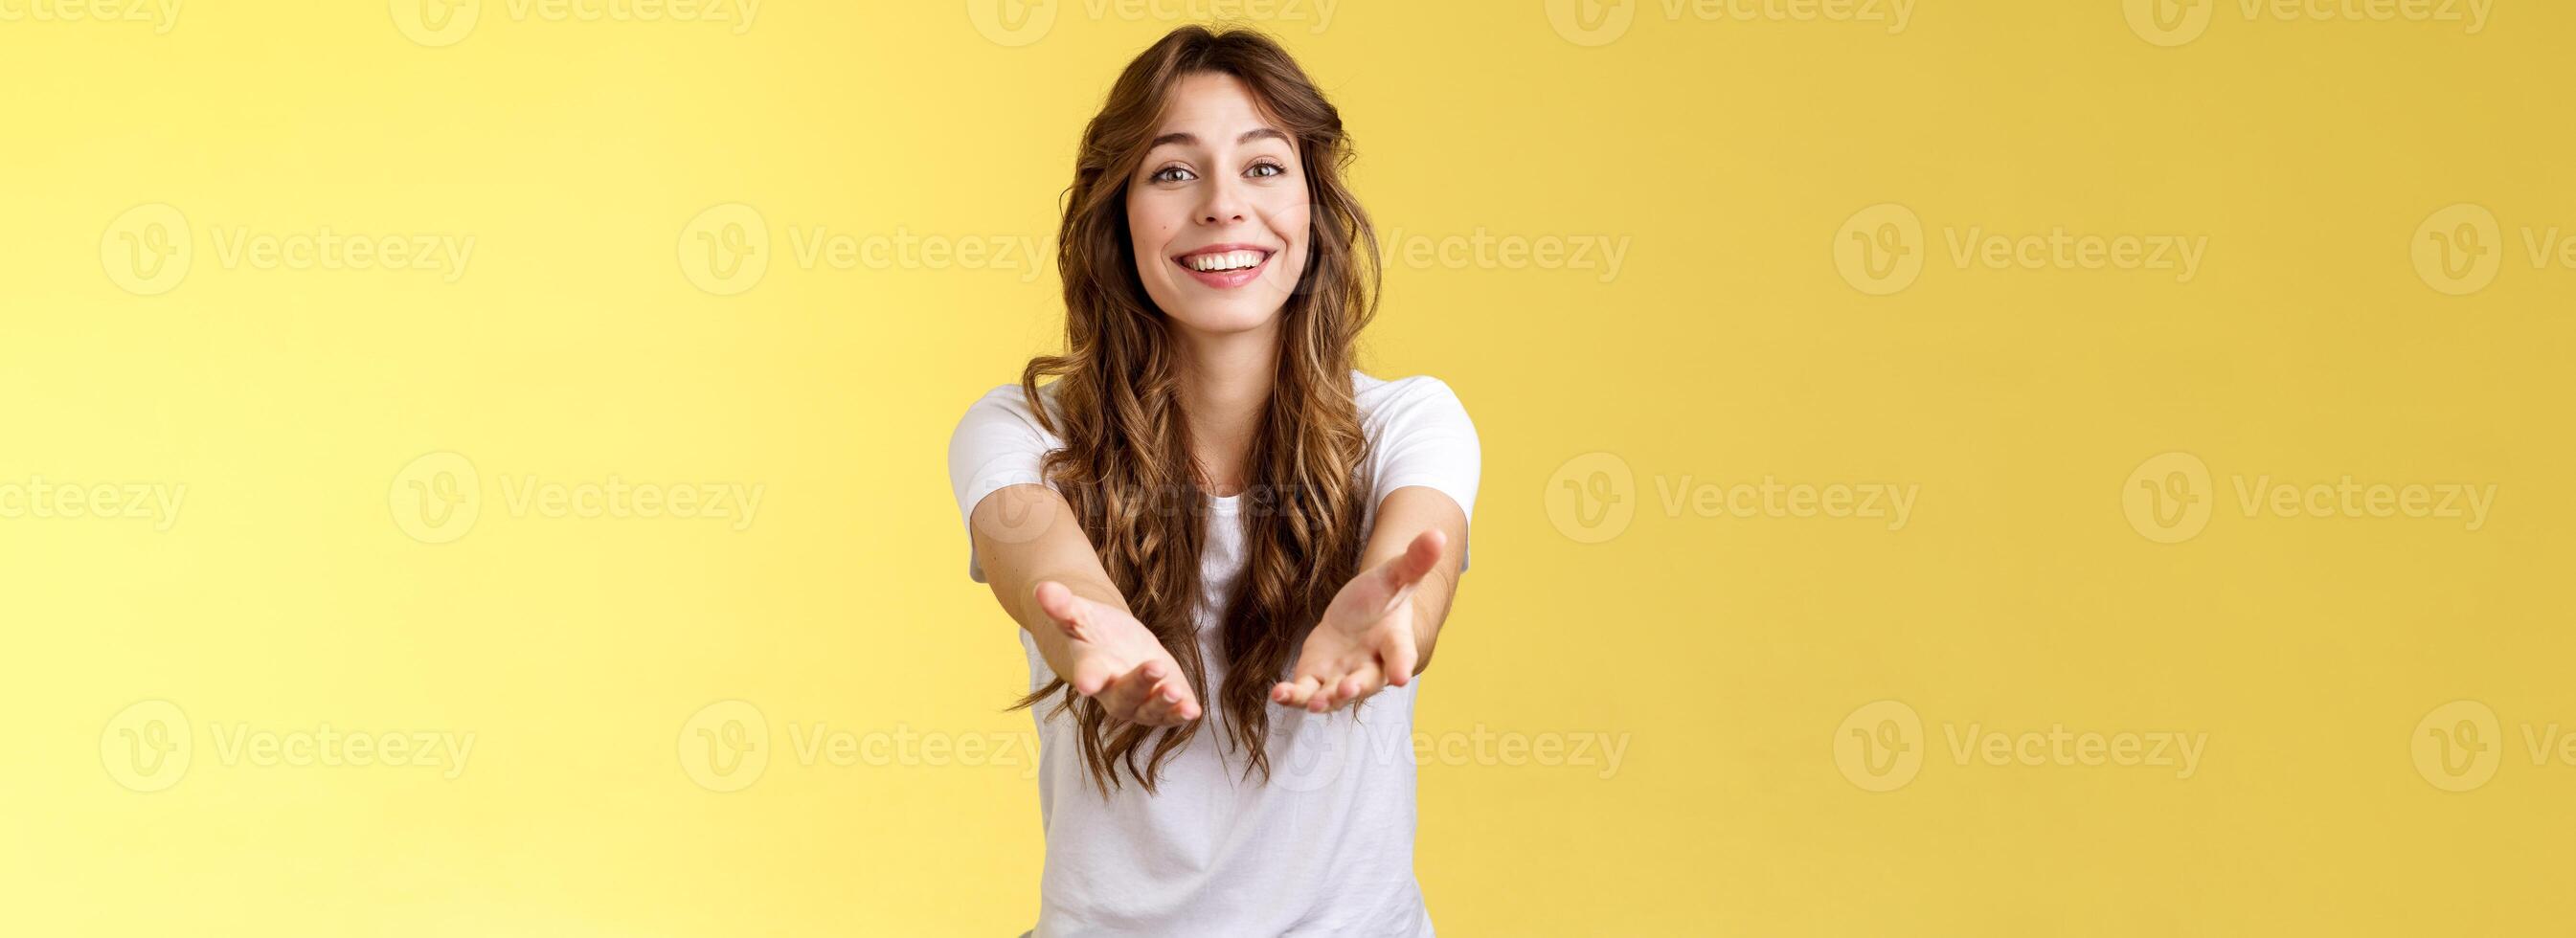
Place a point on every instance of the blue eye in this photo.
(1170, 174)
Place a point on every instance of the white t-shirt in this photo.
(1326, 847)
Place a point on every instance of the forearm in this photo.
(1024, 536)
(1404, 515)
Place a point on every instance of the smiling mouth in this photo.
(1220, 261)
(1225, 265)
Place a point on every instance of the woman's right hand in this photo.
(1117, 662)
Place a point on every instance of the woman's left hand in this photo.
(1366, 639)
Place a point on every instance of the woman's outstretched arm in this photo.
(1045, 573)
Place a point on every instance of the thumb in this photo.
(1403, 573)
(1399, 659)
(1060, 604)
(1378, 590)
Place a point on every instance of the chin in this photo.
(1226, 318)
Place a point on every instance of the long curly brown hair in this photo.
(1126, 466)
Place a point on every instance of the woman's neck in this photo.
(1225, 384)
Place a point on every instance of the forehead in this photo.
(1212, 106)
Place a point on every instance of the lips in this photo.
(1226, 266)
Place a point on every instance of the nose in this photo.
(1224, 203)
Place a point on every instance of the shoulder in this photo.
(1419, 435)
(1404, 401)
(1009, 398)
(1000, 432)
(998, 442)
(1005, 406)
(1384, 393)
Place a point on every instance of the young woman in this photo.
(1229, 553)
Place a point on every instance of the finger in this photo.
(1329, 700)
(1419, 557)
(1325, 699)
(1356, 686)
(1185, 703)
(1093, 675)
(1392, 582)
(1399, 659)
(1424, 553)
(1122, 696)
(1169, 704)
(1152, 710)
(1060, 604)
(1295, 693)
(1136, 687)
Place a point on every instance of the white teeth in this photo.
(1223, 260)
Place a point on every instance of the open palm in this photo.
(1117, 661)
(1366, 640)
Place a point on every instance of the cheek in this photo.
(1291, 219)
(1149, 229)
(1292, 224)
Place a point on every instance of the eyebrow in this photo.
(1248, 136)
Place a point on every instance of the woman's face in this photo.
(1218, 211)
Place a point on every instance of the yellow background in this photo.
(1727, 651)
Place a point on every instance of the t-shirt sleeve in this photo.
(1425, 438)
(998, 443)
